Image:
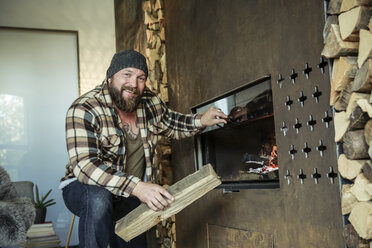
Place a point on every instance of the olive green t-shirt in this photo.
(135, 156)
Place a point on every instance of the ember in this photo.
(269, 162)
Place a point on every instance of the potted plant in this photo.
(41, 205)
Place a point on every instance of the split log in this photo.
(355, 146)
(367, 170)
(368, 132)
(344, 71)
(361, 218)
(334, 7)
(341, 122)
(352, 238)
(349, 4)
(353, 102)
(358, 118)
(365, 106)
(335, 47)
(361, 188)
(342, 98)
(352, 21)
(349, 169)
(363, 78)
(348, 199)
(331, 19)
(185, 192)
(365, 46)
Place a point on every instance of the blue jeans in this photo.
(98, 210)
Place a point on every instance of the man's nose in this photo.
(132, 82)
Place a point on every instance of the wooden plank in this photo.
(227, 237)
(185, 191)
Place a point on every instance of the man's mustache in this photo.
(130, 89)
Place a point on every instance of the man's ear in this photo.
(109, 80)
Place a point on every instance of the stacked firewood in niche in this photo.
(166, 233)
(348, 41)
(158, 83)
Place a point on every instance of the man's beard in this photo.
(127, 105)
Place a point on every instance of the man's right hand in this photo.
(155, 196)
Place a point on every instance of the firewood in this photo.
(341, 122)
(358, 118)
(348, 168)
(370, 24)
(334, 7)
(365, 46)
(361, 188)
(368, 132)
(348, 200)
(352, 21)
(363, 78)
(184, 191)
(365, 106)
(344, 71)
(342, 98)
(355, 146)
(335, 47)
(331, 19)
(367, 170)
(349, 4)
(351, 236)
(361, 218)
(353, 102)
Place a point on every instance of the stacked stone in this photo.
(157, 81)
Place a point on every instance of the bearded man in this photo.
(111, 135)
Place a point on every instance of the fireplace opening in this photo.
(243, 152)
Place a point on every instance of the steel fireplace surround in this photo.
(243, 152)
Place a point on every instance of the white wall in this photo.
(93, 19)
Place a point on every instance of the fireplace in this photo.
(243, 152)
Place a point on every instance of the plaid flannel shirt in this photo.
(96, 141)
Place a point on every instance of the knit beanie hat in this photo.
(125, 59)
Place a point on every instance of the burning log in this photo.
(336, 47)
(348, 168)
(355, 146)
(363, 78)
(352, 21)
(365, 46)
(361, 218)
(349, 4)
(348, 199)
(362, 188)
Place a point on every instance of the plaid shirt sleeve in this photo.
(176, 125)
(85, 156)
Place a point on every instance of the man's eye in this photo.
(126, 74)
(142, 79)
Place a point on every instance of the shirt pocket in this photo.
(111, 146)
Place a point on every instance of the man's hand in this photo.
(155, 196)
(212, 117)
